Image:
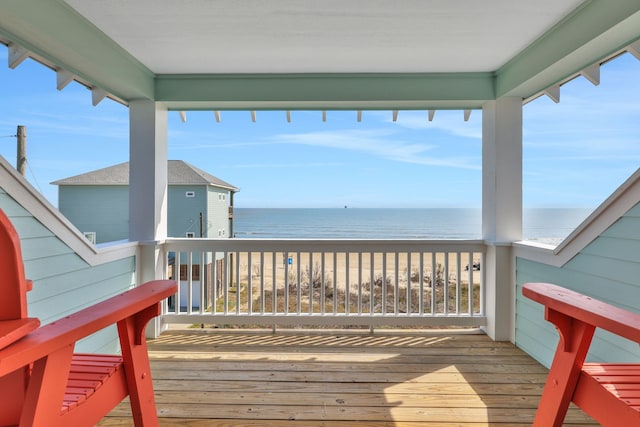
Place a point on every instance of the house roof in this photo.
(332, 54)
(179, 173)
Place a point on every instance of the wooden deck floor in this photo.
(352, 380)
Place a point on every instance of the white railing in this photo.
(326, 282)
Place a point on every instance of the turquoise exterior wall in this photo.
(184, 212)
(103, 209)
(62, 281)
(218, 207)
(607, 269)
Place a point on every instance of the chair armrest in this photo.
(68, 330)
(12, 330)
(586, 309)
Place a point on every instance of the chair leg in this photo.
(575, 338)
(12, 394)
(138, 370)
(45, 390)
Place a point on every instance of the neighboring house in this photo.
(97, 202)
(198, 205)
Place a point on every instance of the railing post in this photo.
(151, 265)
(499, 297)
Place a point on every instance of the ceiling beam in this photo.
(63, 78)
(325, 91)
(53, 31)
(553, 92)
(592, 73)
(634, 49)
(97, 95)
(594, 31)
(17, 54)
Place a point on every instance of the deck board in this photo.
(217, 379)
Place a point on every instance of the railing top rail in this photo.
(328, 245)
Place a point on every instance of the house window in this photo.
(190, 234)
(195, 272)
(90, 236)
(190, 194)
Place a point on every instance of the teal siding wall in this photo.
(607, 269)
(63, 282)
(102, 209)
(218, 207)
(105, 210)
(184, 212)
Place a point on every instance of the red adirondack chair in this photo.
(609, 392)
(42, 382)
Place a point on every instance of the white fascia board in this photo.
(30, 199)
(612, 209)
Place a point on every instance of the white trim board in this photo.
(30, 199)
(613, 208)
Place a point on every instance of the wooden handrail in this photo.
(586, 309)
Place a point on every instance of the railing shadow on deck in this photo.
(342, 378)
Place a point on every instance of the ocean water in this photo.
(548, 225)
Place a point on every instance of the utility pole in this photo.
(21, 161)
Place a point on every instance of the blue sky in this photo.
(575, 152)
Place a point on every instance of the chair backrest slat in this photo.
(13, 284)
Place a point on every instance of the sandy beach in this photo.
(345, 268)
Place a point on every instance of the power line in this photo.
(34, 176)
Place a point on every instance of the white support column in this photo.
(501, 210)
(148, 188)
(147, 171)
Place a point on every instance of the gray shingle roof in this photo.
(180, 173)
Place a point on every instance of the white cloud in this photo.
(449, 122)
(103, 126)
(279, 165)
(382, 143)
(175, 143)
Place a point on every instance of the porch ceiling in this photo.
(205, 54)
(331, 36)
